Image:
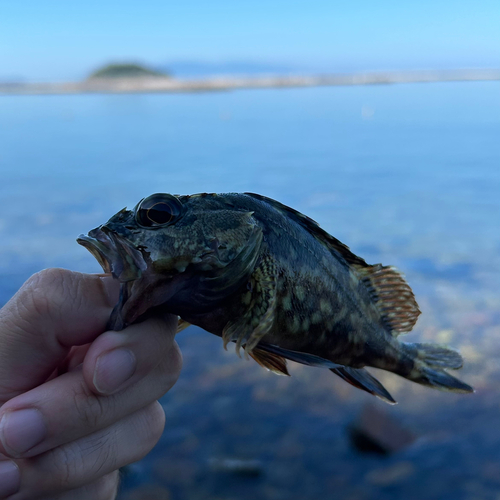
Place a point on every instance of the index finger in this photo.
(53, 311)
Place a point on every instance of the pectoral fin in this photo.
(259, 304)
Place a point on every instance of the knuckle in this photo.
(44, 292)
(90, 408)
(79, 462)
(38, 300)
(49, 278)
(67, 465)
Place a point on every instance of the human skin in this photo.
(77, 402)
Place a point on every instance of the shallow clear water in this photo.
(406, 175)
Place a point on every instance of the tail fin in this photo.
(439, 357)
(430, 362)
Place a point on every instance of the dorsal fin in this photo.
(391, 294)
(314, 228)
(393, 297)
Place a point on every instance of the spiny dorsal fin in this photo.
(272, 362)
(393, 297)
(314, 228)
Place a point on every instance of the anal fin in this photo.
(299, 357)
(360, 378)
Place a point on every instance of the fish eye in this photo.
(158, 210)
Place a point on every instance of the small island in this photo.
(135, 78)
(126, 70)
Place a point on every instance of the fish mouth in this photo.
(206, 280)
(115, 254)
(127, 264)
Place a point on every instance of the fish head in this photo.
(183, 253)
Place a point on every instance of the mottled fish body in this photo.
(268, 278)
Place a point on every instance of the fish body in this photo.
(260, 274)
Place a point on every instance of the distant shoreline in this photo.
(226, 83)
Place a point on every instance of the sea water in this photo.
(404, 174)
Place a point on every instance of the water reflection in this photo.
(416, 185)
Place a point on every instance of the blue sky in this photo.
(44, 39)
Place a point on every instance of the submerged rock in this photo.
(375, 431)
(239, 466)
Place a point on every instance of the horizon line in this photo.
(159, 84)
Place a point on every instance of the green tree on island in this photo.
(126, 70)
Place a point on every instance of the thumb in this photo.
(53, 311)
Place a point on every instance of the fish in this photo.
(269, 279)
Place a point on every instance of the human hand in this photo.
(77, 402)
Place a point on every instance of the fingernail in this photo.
(10, 478)
(21, 430)
(113, 369)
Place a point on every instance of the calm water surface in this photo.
(406, 175)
